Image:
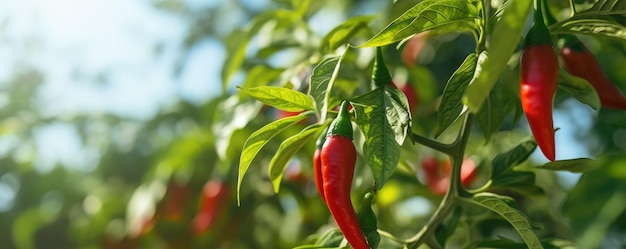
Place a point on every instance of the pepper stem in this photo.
(549, 18)
(341, 125)
(538, 34)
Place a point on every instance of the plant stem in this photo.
(389, 236)
(456, 151)
(481, 42)
(480, 189)
(457, 156)
(441, 147)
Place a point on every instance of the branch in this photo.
(456, 152)
(441, 147)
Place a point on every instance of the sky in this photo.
(102, 56)
(99, 55)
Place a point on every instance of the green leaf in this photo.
(232, 115)
(26, 225)
(596, 27)
(504, 162)
(503, 242)
(500, 103)
(317, 247)
(280, 17)
(604, 7)
(499, 243)
(503, 176)
(597, 200)
(497, 204)
(451, 101)
(322, 79)
(517, 181)
(331, 238)
(286, 150)
(448, 15)
(504, 39)
(301, 7)
(237, 42)
(555, 243)
(281, 98)
(578, 165)
(277, 46)
(580, 89)
(257, 140)
(382, 117)
(341, 34)
(446, 230)
(261, 75)
(236, 46)
(373, 239)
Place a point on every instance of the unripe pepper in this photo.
(582, 63)
(382, 78)
(368, 221)
(538, 77)
(380, 73)
(317, 163)
(338, 160)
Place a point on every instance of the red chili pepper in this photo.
(280, 114)
(437, 174)
(173, 203)
(433, 175)
(317, 163)
(582, 63)
(338, 160)
(413, 48)
(212, 202)
(468, 171)
(539, 72)
(411, 96)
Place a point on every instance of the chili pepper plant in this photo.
(494, 107)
